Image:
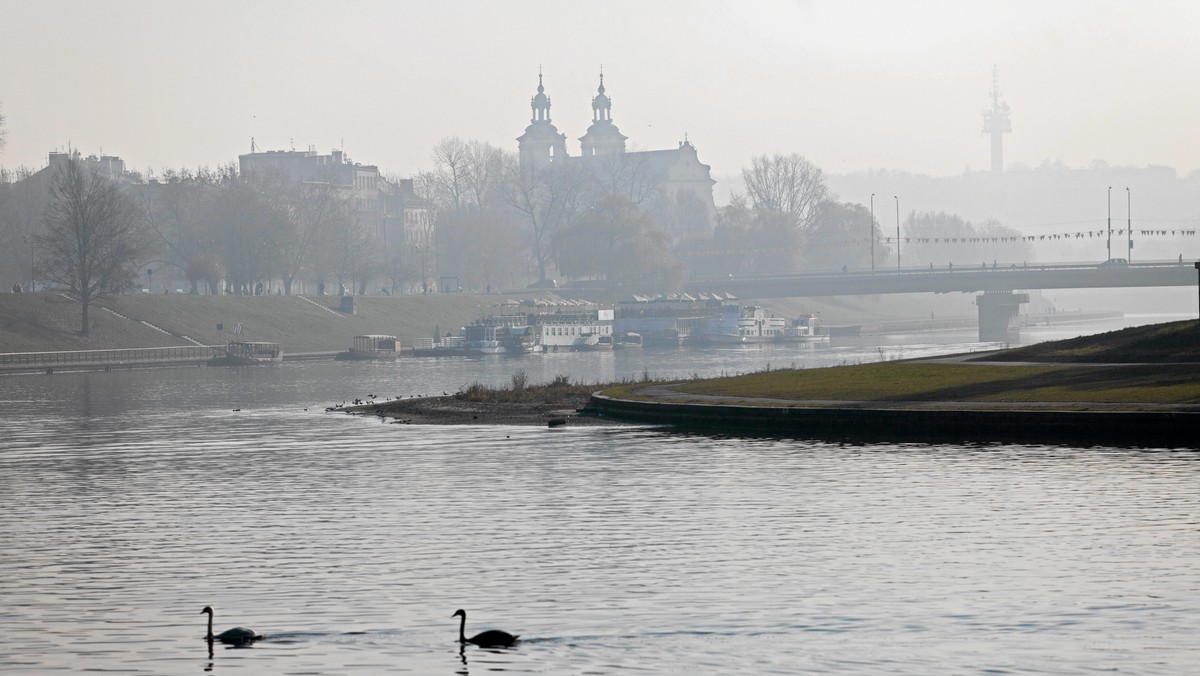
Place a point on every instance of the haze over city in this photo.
(827, 337)
(850, 86)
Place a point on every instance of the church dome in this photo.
(540, 103)
(601, 100)
(540, 99)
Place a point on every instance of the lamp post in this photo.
(871, 232)
(1128, 226)
(897, 198)
(1198, 268)
(1109, 223)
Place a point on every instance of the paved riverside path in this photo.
(1071, 423)
(668, 393)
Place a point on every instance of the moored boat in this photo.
(575, 328)
(803, 330)
(372, 346)
(741, 324)
(594, 342)
(248, 353)
(499, 334)
(628, 340)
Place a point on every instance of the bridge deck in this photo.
(952, 280)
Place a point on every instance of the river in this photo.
(130, 500)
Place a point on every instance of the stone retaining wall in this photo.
(1143, 429)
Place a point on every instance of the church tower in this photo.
(541, 144)
(602, 137)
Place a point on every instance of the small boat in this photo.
(576, 329)
(247, 353)
(803, 330)
(628, 341)
(498, 334)
(372, 346)
(449, 346)
(742, 324)
(593, 342)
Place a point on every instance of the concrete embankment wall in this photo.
(1143, 429)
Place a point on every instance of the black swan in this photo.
(237, 635)
(488, 639)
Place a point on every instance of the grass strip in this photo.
(939, 382)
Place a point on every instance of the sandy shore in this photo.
(451, 410)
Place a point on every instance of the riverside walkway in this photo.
(1074, 423)
(107, 360)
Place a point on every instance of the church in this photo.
(672, 185)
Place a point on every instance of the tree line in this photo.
(494, 222)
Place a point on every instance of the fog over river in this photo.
(130, 500)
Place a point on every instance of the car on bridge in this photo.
(1114, 263)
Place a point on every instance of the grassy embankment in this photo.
(1158, 364)
(43, 322)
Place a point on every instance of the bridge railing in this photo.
(947, 268)
(142, 355)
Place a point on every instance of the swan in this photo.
(488, 639)
(237, 635)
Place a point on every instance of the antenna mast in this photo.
(997, 123)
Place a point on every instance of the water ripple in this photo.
(349, 544)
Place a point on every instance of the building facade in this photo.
(672, 185)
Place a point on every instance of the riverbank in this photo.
(1072, 392)
(557, 403)
(42, 322)
(1081, 391)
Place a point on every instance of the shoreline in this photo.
(1170, 427)
(1135, 387)
(1162, 426)
(451, 410)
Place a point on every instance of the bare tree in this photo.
(173, 210)
(630, 174)
(306, 212)
(94, 236)
(3, 131)
(449, 182)
(484, 174)
(347, 252)
(240, 222)
(615, 240)
(546, 200)
(479, 247)
(22, 200)
(786, 184)
(836, 239)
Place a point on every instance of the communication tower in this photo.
(996, 122)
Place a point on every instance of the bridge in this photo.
(998, 303)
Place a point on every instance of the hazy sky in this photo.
(850, 85)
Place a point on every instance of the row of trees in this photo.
(256, 229)
(89, 233)
(493, 213)
(606, 219)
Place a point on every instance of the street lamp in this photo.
(1109, 223)
(871, 232)
(1129, 226)
(897, 198)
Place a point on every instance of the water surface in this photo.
(132, 500)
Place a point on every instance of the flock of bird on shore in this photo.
(241, 636)
(371, 399)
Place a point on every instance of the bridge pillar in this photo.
(998, 315)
